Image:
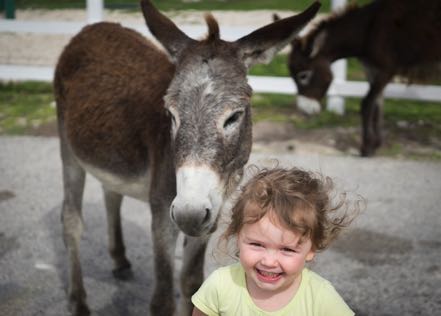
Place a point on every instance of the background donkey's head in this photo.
(311, 72)
(209, 104)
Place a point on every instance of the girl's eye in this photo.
(289, 250)
(255, 244)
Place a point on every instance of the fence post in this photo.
(9, 7)
(94, 11)
(336, 103)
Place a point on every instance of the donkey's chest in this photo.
(137, 187)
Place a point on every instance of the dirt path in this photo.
(387, 263)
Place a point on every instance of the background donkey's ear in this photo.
(173, 39)
(276, 17)
(261, 45)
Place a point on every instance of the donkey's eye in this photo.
(174, 122)
(232, 119)
(172, 117)
(304, 77)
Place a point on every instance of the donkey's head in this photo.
(209, 104)
(310, 71)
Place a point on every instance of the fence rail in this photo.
(339, 88)
(262, 84)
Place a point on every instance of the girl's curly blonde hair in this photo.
(298, 200)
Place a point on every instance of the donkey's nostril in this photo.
(207, 215)
(172, 213)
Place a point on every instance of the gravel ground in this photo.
(387, 264)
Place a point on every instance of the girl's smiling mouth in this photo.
(266, 276)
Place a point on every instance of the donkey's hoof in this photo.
(367, 152)
(79, 309)
(123, 273)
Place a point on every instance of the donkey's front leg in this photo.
(117, 250)
(164, 244)
(192, 274)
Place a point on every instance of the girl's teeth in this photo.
(269, 274)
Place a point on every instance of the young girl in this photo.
(281, 219)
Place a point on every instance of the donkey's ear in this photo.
(318, 43)
(173, 39)
(299, 46)
(296, 44)
(261, 45)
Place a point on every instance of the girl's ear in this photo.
(261, 45)
(310, 255)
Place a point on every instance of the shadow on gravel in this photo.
(106, 295)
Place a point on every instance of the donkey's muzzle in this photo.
(198, 199)
(194, 219)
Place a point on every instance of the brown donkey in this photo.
(176, 135)
(390, 37)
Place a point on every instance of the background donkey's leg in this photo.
(73, 178)
(371, 113)
(164, 243)
(117, 250)
(378, 121)
(192, 273)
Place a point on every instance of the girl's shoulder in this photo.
(316, 285)
(314, 280)
(326, 300)
(231, 273)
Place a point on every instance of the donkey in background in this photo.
(390, 37)
(176, 135)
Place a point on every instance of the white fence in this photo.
(339, 88)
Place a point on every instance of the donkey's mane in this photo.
(326, 21)
(213, 28)
(415, 74)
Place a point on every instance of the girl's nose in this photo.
(269, 259)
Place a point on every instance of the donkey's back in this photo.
(404, 37)
(108, 112)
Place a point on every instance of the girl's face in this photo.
(272, 257)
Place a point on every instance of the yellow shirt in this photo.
(225, 293)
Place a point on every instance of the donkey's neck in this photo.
(344, 34)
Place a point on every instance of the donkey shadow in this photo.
(110, 296)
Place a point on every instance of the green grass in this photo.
(24, 106)
(182, 5)
(279, 108)
(28, 105)
(278, 67)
